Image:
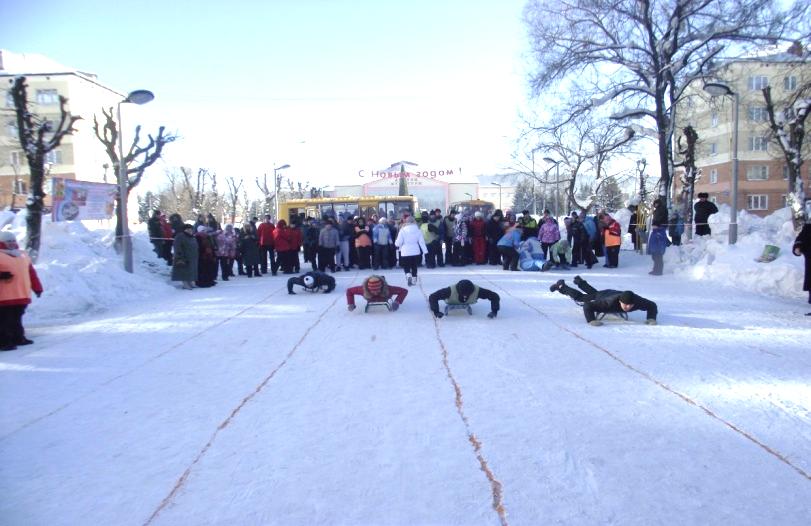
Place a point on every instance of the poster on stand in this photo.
(79, 200)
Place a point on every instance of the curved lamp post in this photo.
(557, 182)
(140, 96)
(719, 89)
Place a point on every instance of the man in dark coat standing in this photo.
(703, 210)
(802, 246)
(606, 301)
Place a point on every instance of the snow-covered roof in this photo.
(33, 63)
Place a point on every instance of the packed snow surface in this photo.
(140, 403)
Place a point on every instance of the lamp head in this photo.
(717, 89)
(140, 96)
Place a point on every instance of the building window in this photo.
(714, 119)
(713, 148)
(758, 114)
(54, 157)
(757, 202)
(47, 97)
(757, 173)
(758, 82)
(20, 187)
(784, 199)
(785, 172)
(11, 130)
(758, 143)
(714, 176)
(789, 83)
(16, 158)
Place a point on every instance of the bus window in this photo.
(326, 212)
(398, 207)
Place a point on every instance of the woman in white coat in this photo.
(411, 243)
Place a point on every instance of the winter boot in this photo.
(409, 279)
(577, 280)
(556, 285)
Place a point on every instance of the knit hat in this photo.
(7, 237)
(628, 297)
(464, 287)
(478, 215)
(309, 281)
(374, 284)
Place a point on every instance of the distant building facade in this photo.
(79, 156)
(762, 169)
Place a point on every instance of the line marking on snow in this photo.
(225, 423)
(495, 485)
(664, 386)
(142, 364)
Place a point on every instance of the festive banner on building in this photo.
(78, 200)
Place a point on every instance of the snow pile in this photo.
(713, 259)
(82, 273)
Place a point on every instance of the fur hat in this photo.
(628, 297)
(478, 215)
(7, 237)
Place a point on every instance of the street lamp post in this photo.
(557, 182)
(720, 89)
(276, 183)
(139, 97)
(499, 195)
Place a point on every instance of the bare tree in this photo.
(689, 176)
(642, 54)
(38, 136)
(137, 159)
(268, 194)
(787, 125)
(233, 195)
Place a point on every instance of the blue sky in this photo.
(329, 87)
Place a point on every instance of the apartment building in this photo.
(79, 156)
(762, 170)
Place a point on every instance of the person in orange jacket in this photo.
(375, 290)
(17, 279)
(612, 239)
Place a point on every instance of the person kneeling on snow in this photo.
(312, 282)
(375, 290)
(605, 301)
(560, 255)
(464, 293)
(17, 279)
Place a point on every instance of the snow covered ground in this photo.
(143, 404)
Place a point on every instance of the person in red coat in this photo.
(478, 234)
(283, 242)
(264, 232)
(375, 290)
(298, 238)
(17, 279)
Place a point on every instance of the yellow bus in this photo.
(472, 206)
(388, 206)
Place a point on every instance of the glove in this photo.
(6, 275)
(650, 322)
(350, 308)
(437, 314)
(595, 323)
(492, 314)
(395, 305)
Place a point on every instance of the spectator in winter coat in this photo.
(207, 256)
(176, 222)
(346, 231)
(703, 210)
(411, 243)
(296, 239)
(548, 234)
(17, 279)
(264, 232)
(508, 245)
(632, 225)
(186, 259)
(464, 293)
(460, 241)
(363, 244)
(529, 224)
(153, 226)
(802, 246)
(430, 234)
(605, 301)
(450, 224)
(328, 242)
(310, 233)
(375, 290)
(478, 237)
(675, 228)
(382, 239)
(493, 231)
(560, 255)
(249, 247)
(227, 251)
(612, 239)
(657, 244)
(659, 213)
(312, 282)
(590, 224)
(581, 251)
(284, 241)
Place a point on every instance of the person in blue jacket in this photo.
(508, 245)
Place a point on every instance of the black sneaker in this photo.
(556, 285)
